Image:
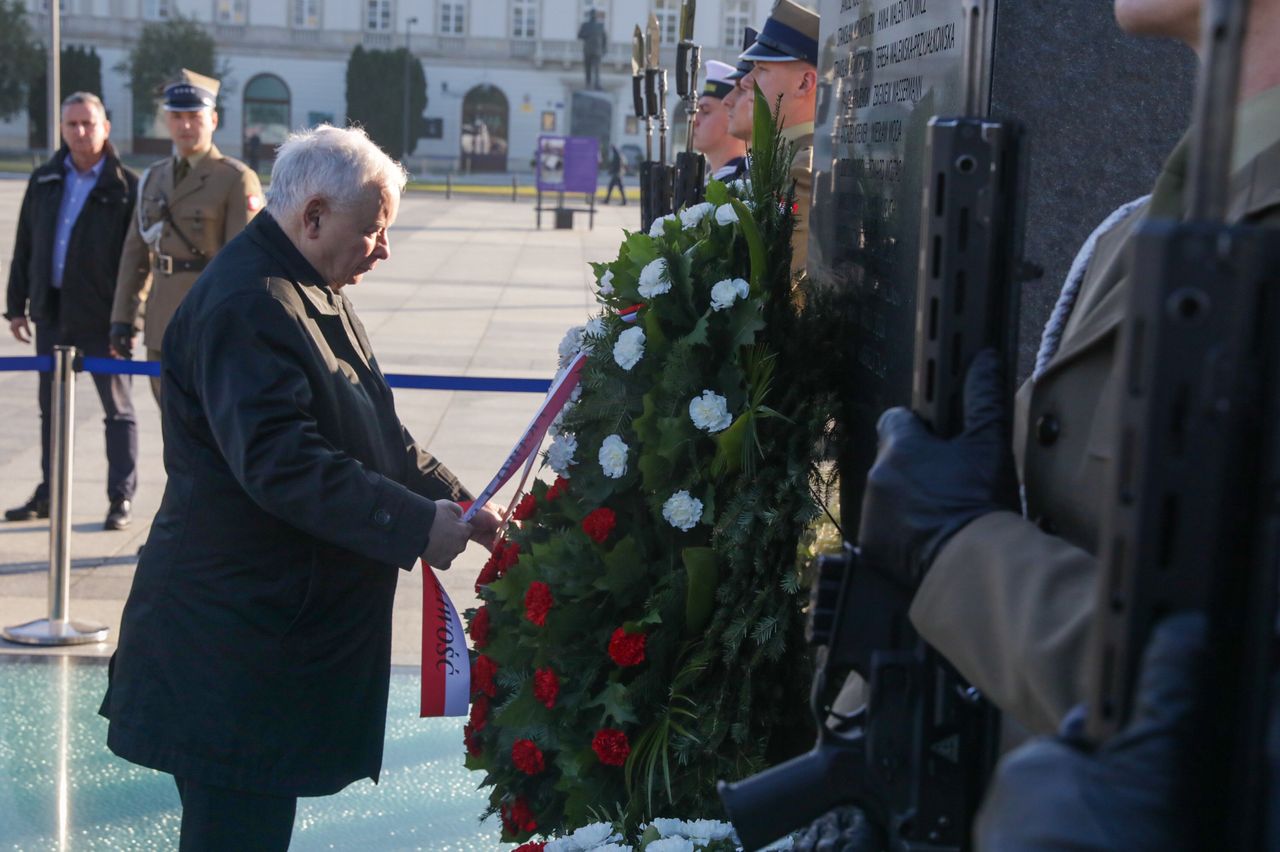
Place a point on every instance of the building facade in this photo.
(499, 72)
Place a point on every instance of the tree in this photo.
(19, 60)
(162, 51)
(81, 72)
(375, 97)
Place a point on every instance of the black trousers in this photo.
(615, 180)
(117, 408)
(215, 819)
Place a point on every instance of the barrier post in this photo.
(58, 628)
(448, 185)
(513, 187)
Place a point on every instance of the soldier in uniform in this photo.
(740, 102)
(1007, 597)
(784, 61)
(189, 206)
(726, 155)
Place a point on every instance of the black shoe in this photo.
(119, 516)
(28, 511)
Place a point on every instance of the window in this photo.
(157, 10)
(231, 11)
(668, 12)
(524, 18)
(306, 14)
(377, 15)
(737, 17)
(453, 17)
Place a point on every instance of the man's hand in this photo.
(1052, 793)
(121, 338)
(20, 329)
(922, 488)
(448, 537)
(485, 524)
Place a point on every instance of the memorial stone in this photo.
(1101, 109)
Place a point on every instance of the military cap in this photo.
(718, 83)
(191, 92)
(789, 35)
(744, 65)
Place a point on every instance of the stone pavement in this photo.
(471, 288)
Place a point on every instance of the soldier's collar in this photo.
(796, 132)
(1257, 127)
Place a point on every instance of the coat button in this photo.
(1047, 430)
(382, 517)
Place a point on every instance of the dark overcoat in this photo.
(255, 643)
(93, 252)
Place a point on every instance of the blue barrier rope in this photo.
(120, 367)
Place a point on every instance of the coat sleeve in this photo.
(243, 203)
(247, 370)
(1010, 607)
(19, 290)
(428, 477)
(133, 279)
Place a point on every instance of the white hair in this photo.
(334, 163)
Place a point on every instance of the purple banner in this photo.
(568, 163)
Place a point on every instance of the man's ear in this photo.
(314, 213)
(808, 81)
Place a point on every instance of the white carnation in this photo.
(691, 216)
(725, 293)
(726, 215)
(654, 279)
(629, 348)
(570, 345)
(705, 831)
(560, 453)
(710, 412)
(655, 230)
(592, 332)
(606, 283)
(611, 847)
(670, 844)
(682, 512)
(613, 457)
(740, 187)
(589, 838)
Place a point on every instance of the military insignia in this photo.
(254, 203)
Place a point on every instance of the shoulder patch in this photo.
(253, 202)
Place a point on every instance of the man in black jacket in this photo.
(255, 645)
(71, 231)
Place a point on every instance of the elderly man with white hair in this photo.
(255, 645)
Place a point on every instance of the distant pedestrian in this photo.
(615, 175)
(253, 150)
(71, 230)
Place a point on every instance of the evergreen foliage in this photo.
(375, 97)
(19, 57)
(81, 71)
(162, 51)
(673, 637)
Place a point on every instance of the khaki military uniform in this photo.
(1009, 599)
(213, 203)
(801, 135)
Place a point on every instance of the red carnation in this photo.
(557, 488)
(627, 649)
(527, 757)
(471, 741)
(490, 571)
(525, 508)
(479, 713)
(517, 817)
(532, 846)
(546, 686)
(482, 672)
(509, 556)
(599, 524)
(537, 603)
(480, 627)
(611, 746)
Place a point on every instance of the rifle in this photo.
(655, 95)
(690, 172)
(916, 757)
(640, 102)
(1190, 518)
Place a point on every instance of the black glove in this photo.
(846, 829)
(121, 339)
(922, 489)
(1052, 794)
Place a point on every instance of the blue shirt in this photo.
(75, 191)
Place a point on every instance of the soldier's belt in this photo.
(168, 264)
